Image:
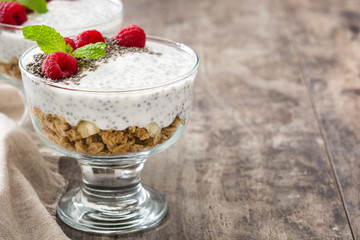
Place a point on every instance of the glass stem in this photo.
(112, 199)
(118, 183)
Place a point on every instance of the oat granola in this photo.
(86, 137)
(11, 69)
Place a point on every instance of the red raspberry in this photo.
(131, 36)
(12, 13)
(87, 37)
(71, 42)
(59, 65)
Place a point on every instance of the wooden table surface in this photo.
(272, 147)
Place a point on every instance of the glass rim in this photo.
(5, 27)
(175, 80)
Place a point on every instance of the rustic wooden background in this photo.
(272, 147)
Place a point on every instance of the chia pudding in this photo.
(68, 17)
(132, 99)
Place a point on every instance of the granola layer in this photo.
(85, 137)
(11, 68)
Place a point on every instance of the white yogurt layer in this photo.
(121, 104)
(67, 17)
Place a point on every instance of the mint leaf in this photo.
(47, 38)
(93, 51)
(36, 5)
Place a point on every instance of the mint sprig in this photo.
(51, 41)
(93, 51)
(39, 6)
(47, 38)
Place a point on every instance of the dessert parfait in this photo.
(69, 17)
(127, 100)
(111, 103)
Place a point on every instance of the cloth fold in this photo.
(30, 184)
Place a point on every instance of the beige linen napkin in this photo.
(30, 185)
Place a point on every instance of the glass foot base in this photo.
(106, 216)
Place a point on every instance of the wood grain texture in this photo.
(252, 163)
(330, 47)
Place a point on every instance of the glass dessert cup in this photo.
(13, 43)
(112, 199)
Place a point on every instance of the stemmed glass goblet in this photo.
(112, 199)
